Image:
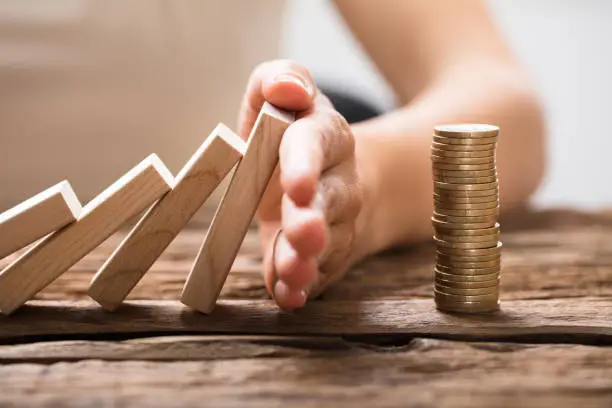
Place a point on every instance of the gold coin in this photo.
(470, 265)
(460, 274)
(445, 225)
(468, 238)
(461, 268)
(459, 260)
(447, 205)
(466, 245)
(489, 219)
(463, 173)
(443, 207)
(468, 285)
(489, 148)
(453, 194)
(468, 213)
(465, 278)
(461, 160)
(490, 297)
(469, 232)
(466, 130)
(465, 187)
(450, 304)
(464, 140)
(467, 307)
(465, 180)
(460, 167)
(468, 271)
(449, 198)
(446, 194)
(463, 154)
(491, 290)
(465, 197)
(471, 252)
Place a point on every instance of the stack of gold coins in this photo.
(466, 209)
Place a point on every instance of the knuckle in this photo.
(342, 135)
(338, 255)
(336, 136)
(343, 193)
(355, 198)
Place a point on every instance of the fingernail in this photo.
(295, 79)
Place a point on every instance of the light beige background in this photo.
(564, 43)
(88, 87)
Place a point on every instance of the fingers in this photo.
(283, 83)
(311, 145)
(299, 278)
(316, 239)
(292, 269)
(338, 199)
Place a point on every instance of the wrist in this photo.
(368, 235)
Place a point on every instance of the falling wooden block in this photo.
(37, 217)
(236, 210)
(52, 256)
(158, 227)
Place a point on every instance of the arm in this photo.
(447, 63)
(343, 192)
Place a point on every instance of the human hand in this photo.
(309, 212)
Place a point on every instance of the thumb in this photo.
(282, 83)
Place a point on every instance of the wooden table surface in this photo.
(375, 339)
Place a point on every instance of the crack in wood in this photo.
(582, 320)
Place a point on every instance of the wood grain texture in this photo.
(175, 348)
(251, 373)
(551, 254)
(160, 225)
(236, 210)
(562, 317)
(43, 263)
(37, 217)
(556, 288)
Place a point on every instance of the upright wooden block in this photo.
(236, 210)
(47, 260)
(156, 230)
(38, 216)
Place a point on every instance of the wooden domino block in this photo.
(156, 230)
(236, 210)
(38, 216)
(52, 256)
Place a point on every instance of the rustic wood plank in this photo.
(422, 373)
(175, 348)
(554, 254)
(559, 317)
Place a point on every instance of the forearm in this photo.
(393, 151)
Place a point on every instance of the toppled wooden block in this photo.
(52, 256)
(160, 225)
(236, 210)
(37, 217)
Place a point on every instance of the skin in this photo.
(344, 192)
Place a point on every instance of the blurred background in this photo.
(88, 87)
(565, 45)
